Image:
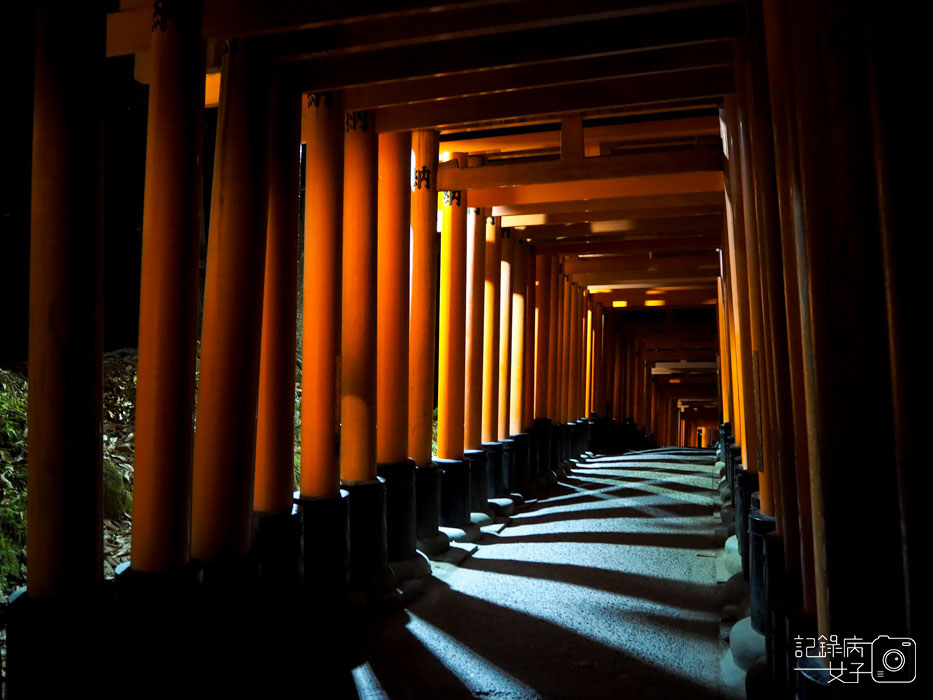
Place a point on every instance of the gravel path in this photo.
(604, 589)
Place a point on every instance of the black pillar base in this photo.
(508, 466)
(495, 485)
(543, 443)
(455, 492)
(479, 481)
(520, 454)
(277, 547)
(326, 542)
(369, 556)
(55, 646)
(759, 525)
(746, 483)
(531, 474)
(401, 530)
(431, 540)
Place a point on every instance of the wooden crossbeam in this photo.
(636, 186)
(619, 206)
(630, 246)
(481, 143)
(605, 93)
(610, 264)
(636, 298)
(452, 177)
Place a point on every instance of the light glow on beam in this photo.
(655, 302)
(619, 304)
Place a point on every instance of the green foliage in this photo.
(12, 481)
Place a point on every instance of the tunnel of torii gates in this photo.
(678, 237)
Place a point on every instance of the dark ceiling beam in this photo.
(605, 93)
(620, 230)
(562, 71)
(587, 38)
(452, 177)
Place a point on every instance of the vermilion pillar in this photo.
(476, 276)
(225, 441)
(554, 323)
(565, 352)
(505, 335)
(63, 524)
(368, 543)
(452, 330)
(322, 129)
(423, 297)
(528, 410)
(394, 226)
(275, 431)
(491, 332)
(573, 354)
(168, 302)
(517, 350)
(542, 332)
(358, 299)
(588, 310)
(392, 300)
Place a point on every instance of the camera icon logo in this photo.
(893, 659)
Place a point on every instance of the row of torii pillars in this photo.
(519, 366)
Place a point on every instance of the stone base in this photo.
(502, 506)
(433, 546)
(415, 567)
(482, 519)
(468, 533)
(746, 644)
(455, 492)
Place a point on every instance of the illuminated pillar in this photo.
(276, 529)
(225, 440)
(553, 368)
(393, 263)
(455, 477)
(324, 504)
(528, 365)
(517, 371)
(168, 303)
(542, 363)
(505, 334)
(491, 366)
(473, 399)
(368, 545)
(421, 334)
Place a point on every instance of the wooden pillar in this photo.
(531, 290)
(590, 348)
(225, 440)
(573, 353)
(517, 350)
(725, 371)
(599, 373)
(322, 129)
(554, 314)
(564, 350)
(358, 299)
(842, 282)
(618, 372)
(735, 235)
(505, 334)
(493, 278)
(609, 359)
(452, 330)
(394, 204)
(63, 523)
(542, 333)
(423, 304)
(168, 301)
(475, 319)
(759, 341)
(275, 429)
(785, 153)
